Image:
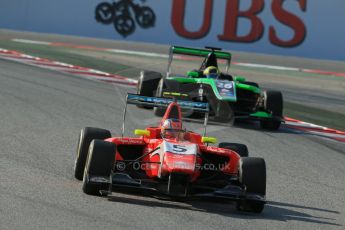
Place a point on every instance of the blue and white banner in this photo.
(307, 28)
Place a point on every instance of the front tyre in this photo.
(86, 136)
(99, 165)
(147, 84)
(225, 113)
(159, 111)
(273, 103)
(252, 176)
(240, 149)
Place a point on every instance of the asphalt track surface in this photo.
(41, 114)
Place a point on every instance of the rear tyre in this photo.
(147, 84)
(86, 136)
(241, 149)
(252, 175)
(159, 111)
(273, 103)
(99, 165)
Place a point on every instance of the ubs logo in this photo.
(122, 14)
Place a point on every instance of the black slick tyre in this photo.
(98, 168)
(241, 149)
(252, 175)
(147, 84)
(225, 113)
(273, 103)
(159, 111)
(86, 136)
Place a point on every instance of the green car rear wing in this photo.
(199, 52)
(226, 56)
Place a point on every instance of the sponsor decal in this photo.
(225, 88)
(124, 15)
(120, 166)
(130, 141)
(167, 101)
(215, 149)
(234, 14)
(99, 179)
(183, 149)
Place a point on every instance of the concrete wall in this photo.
(307, 28)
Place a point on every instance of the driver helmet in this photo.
(212, 72)
(172, 129)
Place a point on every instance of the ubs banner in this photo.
(307, 28)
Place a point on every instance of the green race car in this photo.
(230, 97)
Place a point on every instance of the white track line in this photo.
(150, 54)
(274, 67)
(31, 41)
(65, 68)
(138, 53)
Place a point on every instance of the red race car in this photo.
(170, 161)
